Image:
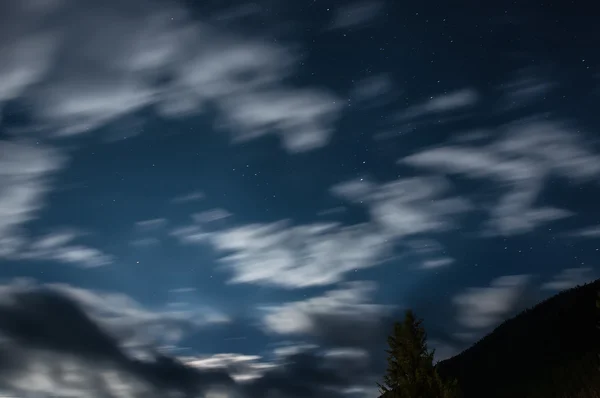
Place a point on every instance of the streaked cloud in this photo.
(25, 177)
(295, 256)
(483, 307)
(569, 278)
(356, 14)
(190, 197)
(453, 101)
(211, 215)
(150, 225)
(406, 207)
(243, 78)
(345, 305)
(520, 161)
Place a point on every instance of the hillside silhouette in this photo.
(550, 350)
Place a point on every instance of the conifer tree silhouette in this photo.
(410, 372)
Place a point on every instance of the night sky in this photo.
(236, 200)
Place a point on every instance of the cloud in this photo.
(406, 207)
(292, 256)
(126, 319)
(373, 89)
(588, 232)
(211, 216)
(25, 173)
(242, 368)
(355, 14)
(319, 254)
(159, 59)
(448, 102)
(190, 197)
(51, 346)
(150, 225)
(569, 278)
(341, 317)
(524, 89)
(59, 246)
(331, 211)
(524, 156)
(480, 308)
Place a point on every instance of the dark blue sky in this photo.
(260, 189)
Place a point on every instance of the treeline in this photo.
(548, 351)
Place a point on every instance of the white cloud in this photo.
(437, 262)
(151, 225)
(570, 277)
(240, 367)
(588, 232)
(355, 14)
(331, 211)
(159, 58)
(297, 256)
(349, 303)
(521, 160)
(373, 88)
(25, 169)
(480, 308)
(524, 89)
(190, 197)
(59, 246)
(408, 206)
(211, 215)
(448, 102)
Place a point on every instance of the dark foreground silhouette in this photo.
(548, 351)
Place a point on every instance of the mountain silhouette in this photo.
(551, 350)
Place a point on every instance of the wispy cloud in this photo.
(449, 102)
(374, 90)
(521, 160)
(243, 78)
(211, 215)
(570, 277)
(25, 171)
(190, 197)
(587, 232)
(292, 256)
(526, 88)
(356, 14)
(483, 307)
(408, 206)
(242, 368)
(150, 225)
(349, 305)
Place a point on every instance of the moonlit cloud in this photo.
(355, 14)
(483, 307)
(25, 171)
(151, 225)
(521, 160)
(408, 206)
(295, 256)
(124, 317)
(569, 278)
(132, 53)
(346, 305)
(191, 197)
(449, 102)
